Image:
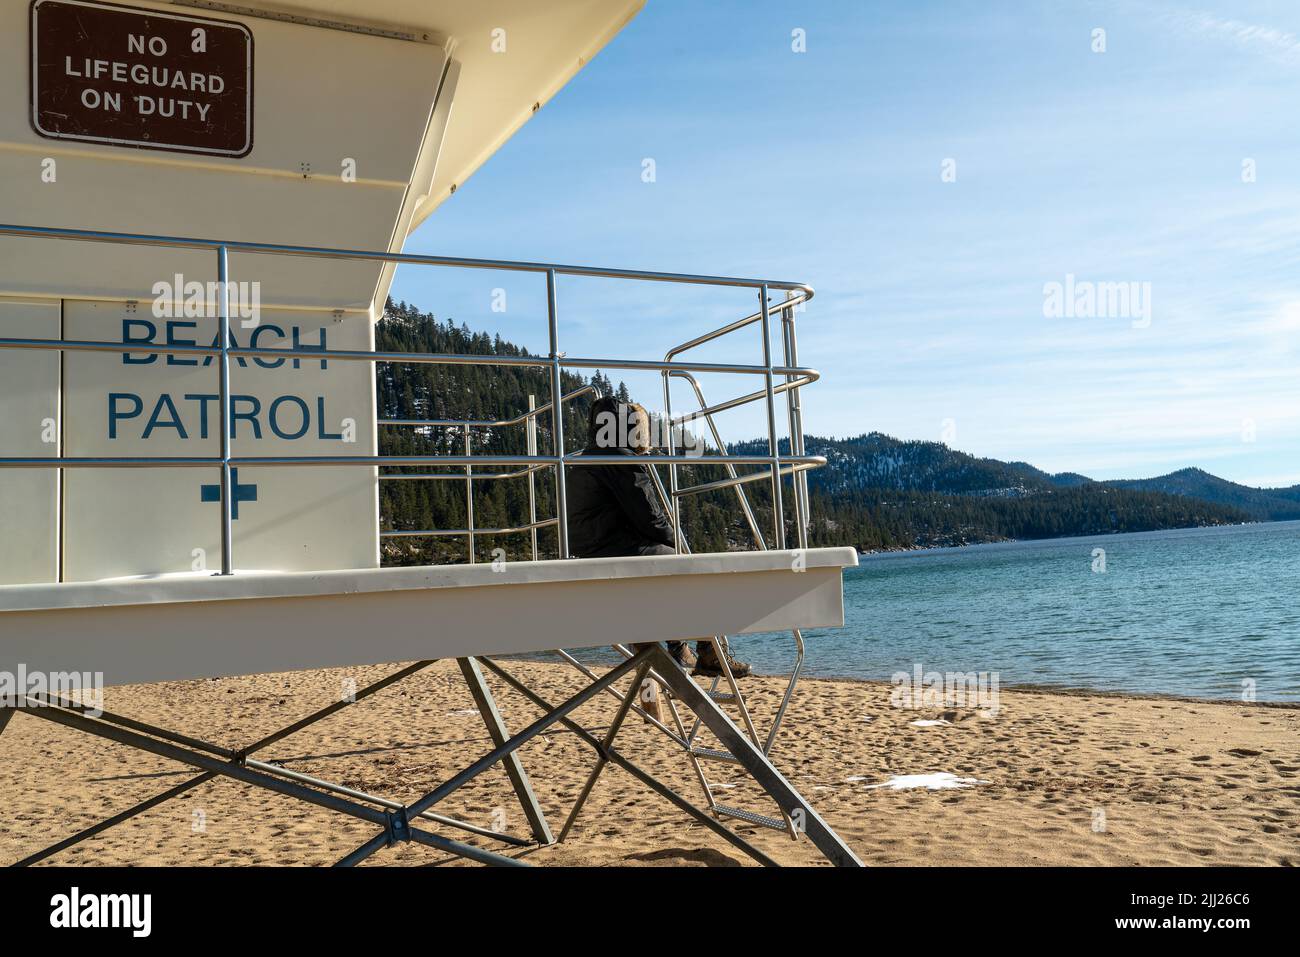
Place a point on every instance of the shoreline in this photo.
(1019, 687)
(1066, 690)
(910, 549)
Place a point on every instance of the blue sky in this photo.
(825, 166)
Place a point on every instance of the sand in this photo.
(1053, 778)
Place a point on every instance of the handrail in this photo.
(742, 323)
(365, 355)
(793, 382)
(484, 423)
(457, 532)
(163, 461)
(329, 252)
(736, 480)
(731, 469)
(708, 410)
(440, 476)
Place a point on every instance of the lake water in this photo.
(1190, 612)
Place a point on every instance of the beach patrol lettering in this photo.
(182, 332)
(194, 414)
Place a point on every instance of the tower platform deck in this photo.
(182, 626)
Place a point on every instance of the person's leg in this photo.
(656, 549)
(678, 649)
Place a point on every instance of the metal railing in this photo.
(554, 362)
(527, 419)
(795, 379)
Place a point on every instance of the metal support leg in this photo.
(603, 751)
(754, 761)
(496, 726)
(649, 780)
(679, 739)
(508, 747)
(530, 732)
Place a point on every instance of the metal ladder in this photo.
(731, 693)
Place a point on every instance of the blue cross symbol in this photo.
(242, 493)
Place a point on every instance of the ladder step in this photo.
(715, 695)
(775, 823)
(714, 755)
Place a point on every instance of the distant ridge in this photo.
(875, 460)
(1262, 504)
(880, 492)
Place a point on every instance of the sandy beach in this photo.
(1054, 778)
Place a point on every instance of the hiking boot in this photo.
(682, 654)
(680, 651)
(708, 665)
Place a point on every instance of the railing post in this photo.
(798, 479)
(674, 502)
(224, 401)
(532, 484)
(778, 510)
(557, 418)
(469, 496)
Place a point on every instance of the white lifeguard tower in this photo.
(202, 211)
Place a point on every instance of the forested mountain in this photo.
(1262, 504)
(878, 492)
(875, 493)
(879, 461)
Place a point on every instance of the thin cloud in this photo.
(1255, 36)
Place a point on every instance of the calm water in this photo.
(1192, 612)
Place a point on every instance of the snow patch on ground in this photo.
(938, 781)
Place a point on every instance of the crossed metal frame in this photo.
(397, 822)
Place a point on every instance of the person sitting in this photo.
(616, 510)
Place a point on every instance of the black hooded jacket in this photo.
(614, 509)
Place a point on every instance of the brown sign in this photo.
(102, 73)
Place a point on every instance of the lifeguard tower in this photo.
(202, 212)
